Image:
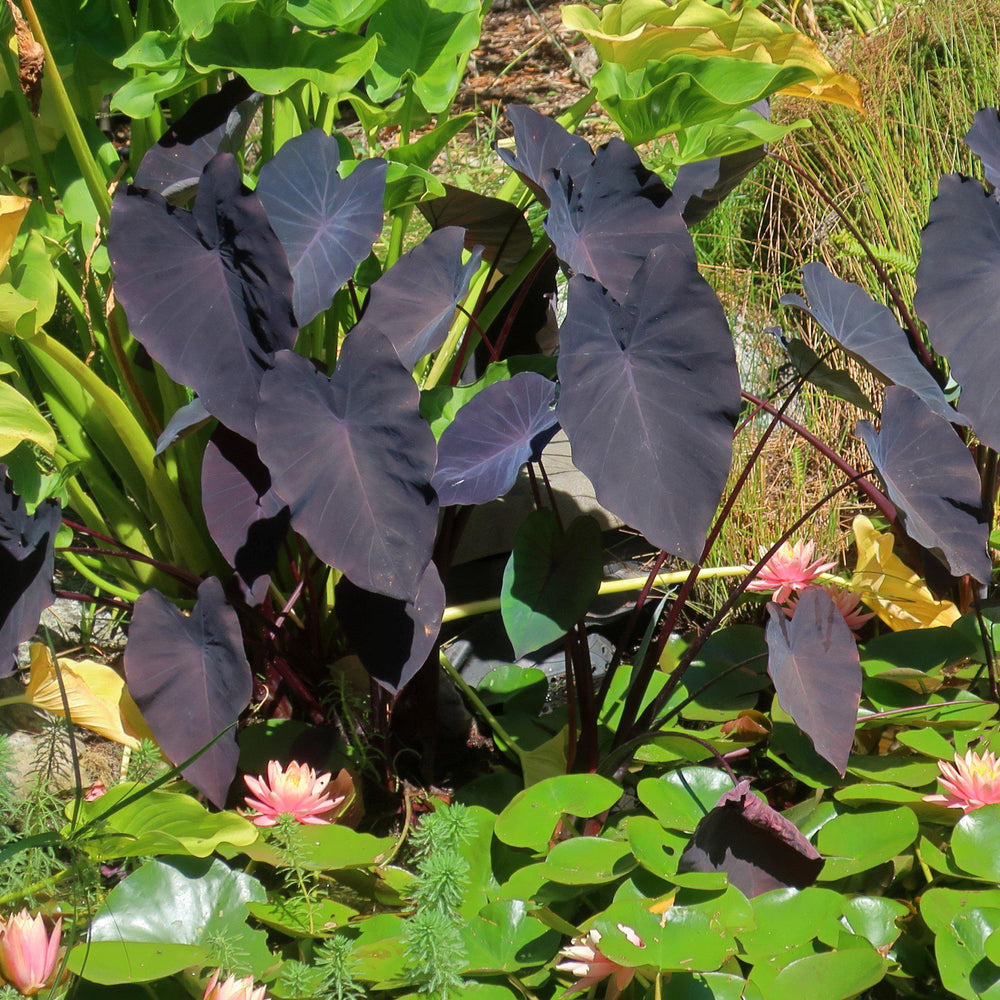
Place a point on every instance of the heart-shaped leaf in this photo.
(413, 303)
(957, 281)
(814, 663)
(216, 123)
(326, 225)
(650, 388)
(498, 226)
(27, 546)
(491, 437)
(191, 680)
(933, 480)
(550, 580)
(543, 145)
(605, 223)
(208, 293)
(984, 140)
(353, 458)
(755, 846)
(869, 333)
(245, 517)
(392, 638)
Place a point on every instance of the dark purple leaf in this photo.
(543, 145)
(958, 279)
(604, 223)
(186, 420)
(814, 663)
(392, 638)
(214, 124)
(326, 225)
(753, 844)
(353, 458)
(931, 477)
(208, 292)
(491, 437)
(868, 332)
(27, 544)
(191, 680)
(649, 394)
(984, 140)
(498, 226)
(245, 517)
(413, 303)
(699, 187)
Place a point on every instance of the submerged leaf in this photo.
(97, 697)
(191, 680)
(326, 225)
(753, 844)
(491, 437)
(27, 544)
(649, 397)
(208, 292)
(869, 333)
(814, 663)
(392, 638)
(413, 303)
(353, 458)
(957, 281)
(890, 588)
(931, 477)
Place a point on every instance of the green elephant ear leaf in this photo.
(168, 916)
(426, 41)
(271, 56)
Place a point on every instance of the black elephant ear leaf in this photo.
(413, 303)
(957, 282)
(868, 331)
(757, 847)
(543, 145)
(931, 477)
(207, 293)
(605, 223)
(186, 420)
(245, 517)
(649, 394)
(498, 226)
(392, 638)
(191, 680)
(810, 366)
(984, 140)
(353, 458)
(216, 123)
(27, 543)
(326, 225)
(814, 663)
(491, 437)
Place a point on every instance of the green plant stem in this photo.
(124, 13)
(267, 130)
(44, 883)
(87, 573)
(38, 164)
(91, 172)
(184, 535)
(477, 703)
(443, 357)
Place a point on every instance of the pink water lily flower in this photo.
(28, 954)
(584, 959)
(848, 604)
(233, 989)
(297, 791)
(790, 568)
(972, 782)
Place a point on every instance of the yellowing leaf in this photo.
(96, 695)
(12, 212)
(21, 421)
(635, 32)
(890, 588)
